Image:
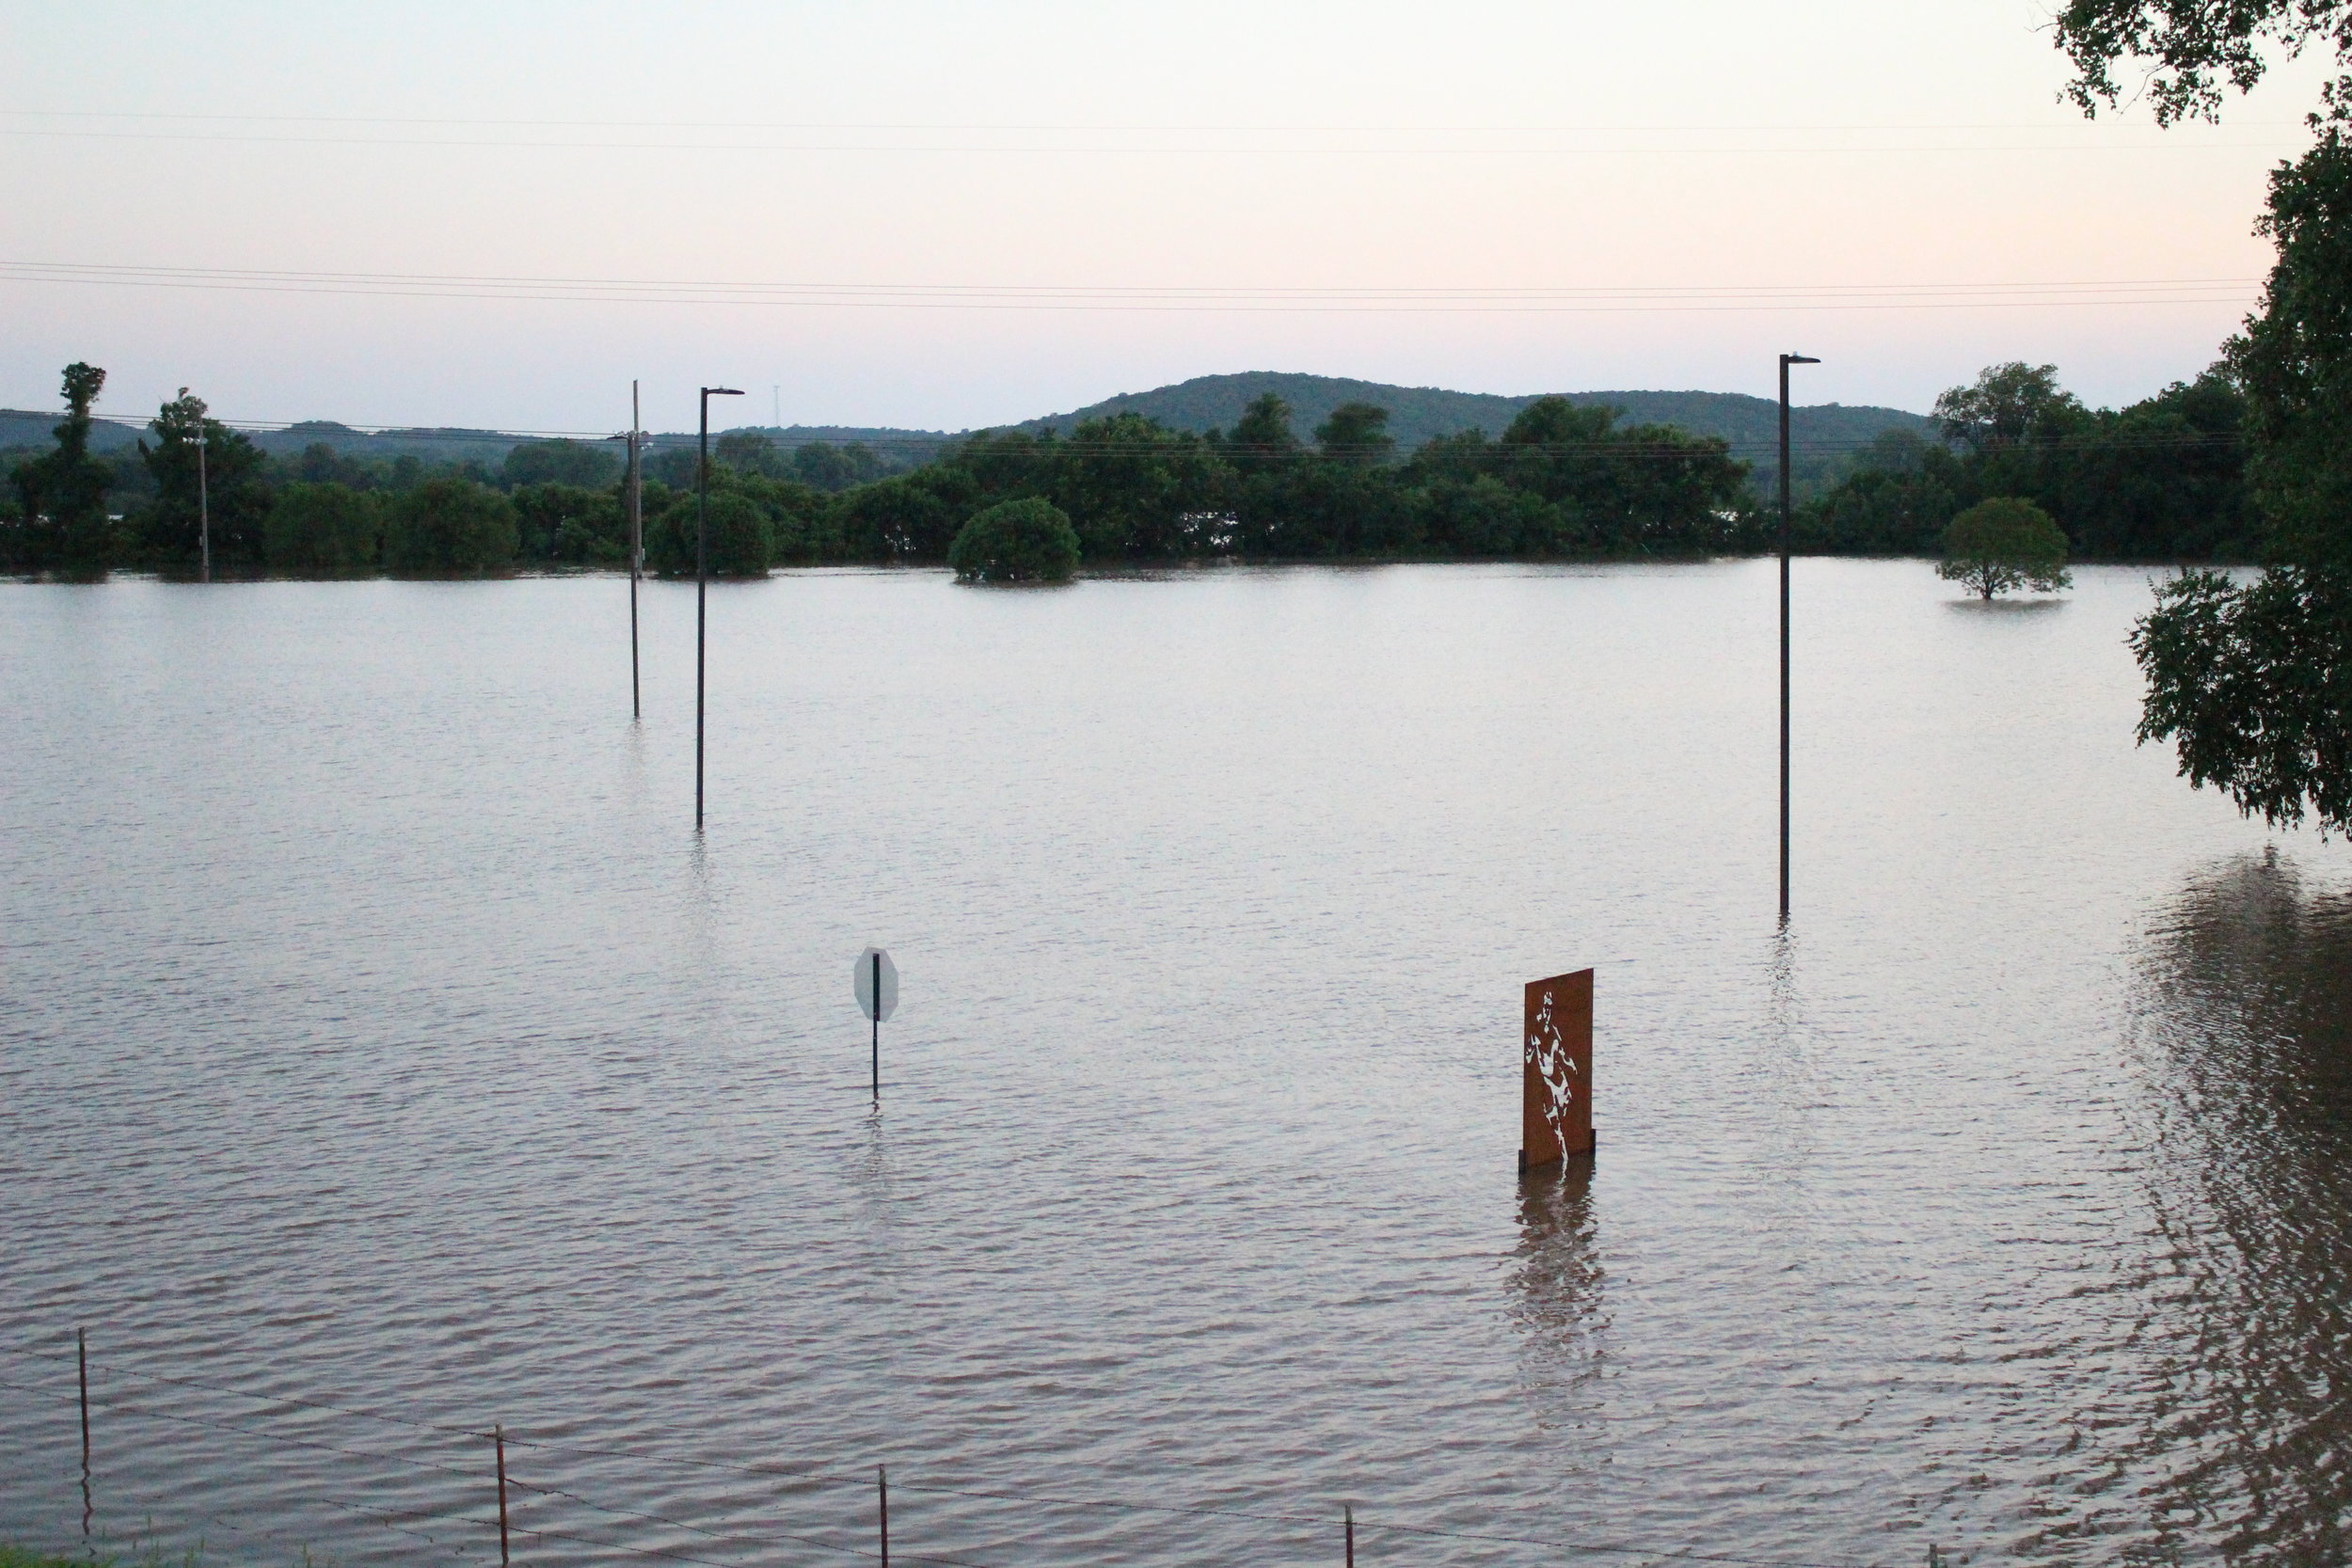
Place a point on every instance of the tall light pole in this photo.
(203, 509)
(702, 582)
(636, 543)
(1785, 360)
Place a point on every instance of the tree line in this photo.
(1560, 481)
(72, 513)
(2161, 479)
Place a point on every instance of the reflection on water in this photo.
(2245, 1029)
(1557, 1284)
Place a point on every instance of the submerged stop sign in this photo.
(877, 982)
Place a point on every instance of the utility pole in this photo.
(204, 507)
(1785, 360)
(702, 583)
(636, 542)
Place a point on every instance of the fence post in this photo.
(498, 1436)
(1347, 1512)
(881, 1483)
(81, 1367)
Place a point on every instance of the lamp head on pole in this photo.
(1798, 360)
(722, 391)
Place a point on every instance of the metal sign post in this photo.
(1785, 360)
(702, 582)
(636, 540)
(876, 980)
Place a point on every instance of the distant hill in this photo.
(22, 427)
(1751, 424)
(26, 428)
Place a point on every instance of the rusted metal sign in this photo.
(1556, 1045)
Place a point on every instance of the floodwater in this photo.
(376, 1033)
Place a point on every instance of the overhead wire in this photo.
(1151, 299)
(1015, 125)
(985, 150)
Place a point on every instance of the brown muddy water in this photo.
(375, 1034)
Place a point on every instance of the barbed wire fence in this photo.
(475, 1494)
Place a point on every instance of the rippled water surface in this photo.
(375, 1032)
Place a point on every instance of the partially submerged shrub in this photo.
(1028, 540)
(449, 526)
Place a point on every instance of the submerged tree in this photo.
(736, 535)
(64, 528)
(217, 491)
(323, 531)
(449, 527)
(1028, 540)
(2002, 543)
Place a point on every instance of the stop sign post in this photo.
(877, 981)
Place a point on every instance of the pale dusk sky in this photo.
(945, 215)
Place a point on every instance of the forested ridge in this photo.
(1564, 480)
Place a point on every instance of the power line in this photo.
(1077, 150)
(1404, 301)
(1022, 126)
(1214, 290)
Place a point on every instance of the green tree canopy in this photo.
(741, 535)
(2009, 406)
(219, 490)
(2005, 542)
(323, 531)
(1028, 540)
(320, 464)
(909, 517)
(2253, 682)
(1642, 489)
(1262, 437)
(585, 464)
(2193, 50)
(2161, 479)
(1133, 487)
(569, 525)
(825, 466)
(449, 527)
(1356, 434)
(62, 494)
(749, 451)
